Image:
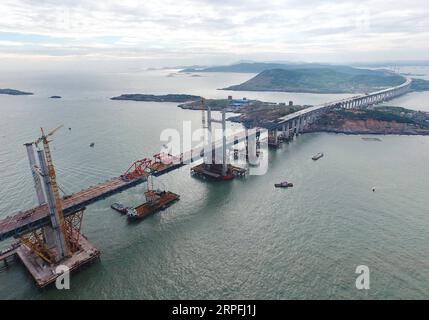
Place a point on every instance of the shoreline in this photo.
(372, 133)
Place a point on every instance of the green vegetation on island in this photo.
(320, 80)
(380, 120)
(158, 98)
(14, 92)
(397, 114)
(264, 114)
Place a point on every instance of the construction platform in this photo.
(164, 200)
(214, 171)
(44, 274)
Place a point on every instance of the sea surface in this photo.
(233, 240)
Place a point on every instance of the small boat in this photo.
(284, 184)
(317, 156)
(92, 144)
(119, 207)
(371, 139)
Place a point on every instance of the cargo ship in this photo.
(156, 200)
(317, 156)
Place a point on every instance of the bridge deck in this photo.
(37, 217)
(322, 106)
(34, 218)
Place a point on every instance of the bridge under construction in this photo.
(49, 235)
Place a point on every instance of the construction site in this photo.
(49, 235)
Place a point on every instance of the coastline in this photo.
(363, 132)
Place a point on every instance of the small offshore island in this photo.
(14, 92)
(157, 98)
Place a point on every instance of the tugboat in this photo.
(317, 156)
(284, 184)
(119, 207)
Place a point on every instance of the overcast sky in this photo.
(178, 32)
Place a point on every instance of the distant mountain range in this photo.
(256, 67)
(398, 63)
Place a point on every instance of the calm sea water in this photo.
(241, 239)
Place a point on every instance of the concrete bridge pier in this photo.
(293, 128)
(304, 123)
(285, 131)
(298, 126)
(290, 130)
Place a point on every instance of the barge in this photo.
(156, 200)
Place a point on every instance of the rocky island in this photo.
(14, 92)
(380, 120)
(157, 98)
